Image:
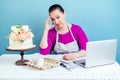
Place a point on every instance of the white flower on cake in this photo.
(20, 37)
(21, 33)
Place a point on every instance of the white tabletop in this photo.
(9, 71)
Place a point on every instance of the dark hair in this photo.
(54, 7)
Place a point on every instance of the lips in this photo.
(57, 24)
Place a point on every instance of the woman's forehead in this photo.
(56, 12)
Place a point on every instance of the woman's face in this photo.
(58, 18)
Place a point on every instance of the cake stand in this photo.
(22, 61)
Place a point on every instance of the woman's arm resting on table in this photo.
(72, 56)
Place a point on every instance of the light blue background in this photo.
(100, 19)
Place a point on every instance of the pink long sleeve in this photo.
(51, 42)
(80, 36)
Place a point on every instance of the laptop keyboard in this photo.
(83, 63)
(79, 62)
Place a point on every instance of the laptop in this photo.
(99, 53)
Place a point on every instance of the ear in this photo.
(65, 14)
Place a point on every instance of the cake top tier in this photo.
(20, 32)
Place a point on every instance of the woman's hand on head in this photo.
(47, 25)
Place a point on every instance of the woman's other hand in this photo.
(69, 56)
(72, 56)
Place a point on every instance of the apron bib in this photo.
(61, 48)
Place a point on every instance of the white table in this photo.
(9, 71)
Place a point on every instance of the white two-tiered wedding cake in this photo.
(20, 37)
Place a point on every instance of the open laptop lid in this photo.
(99, 53)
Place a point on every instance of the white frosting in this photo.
(14, 44)
(23, 41)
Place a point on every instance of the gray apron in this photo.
(61, 48)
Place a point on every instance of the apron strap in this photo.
(71, 32)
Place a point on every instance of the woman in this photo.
(64, 37)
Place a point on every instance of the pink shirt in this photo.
(78, 34)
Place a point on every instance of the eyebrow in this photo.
(55, 16)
